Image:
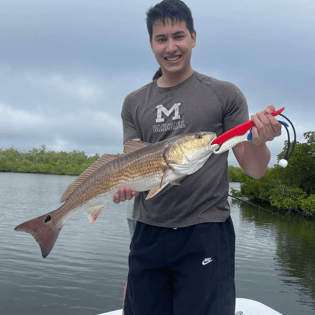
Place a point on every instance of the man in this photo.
(182, 255)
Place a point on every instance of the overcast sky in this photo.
(66, 66)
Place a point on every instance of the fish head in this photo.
(189, 152)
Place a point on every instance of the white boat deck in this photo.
(248, 307)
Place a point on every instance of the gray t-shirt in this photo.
(200, 103)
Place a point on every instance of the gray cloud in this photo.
(65, 68)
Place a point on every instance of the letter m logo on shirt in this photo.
(161, 109)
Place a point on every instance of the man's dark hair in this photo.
(175, 10)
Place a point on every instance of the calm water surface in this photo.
(86, 271)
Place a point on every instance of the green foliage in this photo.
(257, 189)
(308, 205)
(300, 171)
(45, 162)
(291, 188)
(287, 197)
(236, 174)
(64, 163)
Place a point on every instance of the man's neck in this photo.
(168, 80)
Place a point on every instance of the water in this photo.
(86, 271)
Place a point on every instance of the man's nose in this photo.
(171, 46)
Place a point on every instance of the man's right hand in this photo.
(125, 193)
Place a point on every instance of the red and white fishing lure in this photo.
(242, 132)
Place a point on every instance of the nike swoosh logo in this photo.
(207, 261)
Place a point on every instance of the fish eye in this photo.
(198, 136)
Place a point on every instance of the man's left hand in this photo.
(266, 126)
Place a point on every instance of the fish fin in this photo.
(106, 158)
(154, 191)
(45, 234)
(134, 145)
(94, 212)
(175, 182)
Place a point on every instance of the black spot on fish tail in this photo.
(45, 234)
(48, 218)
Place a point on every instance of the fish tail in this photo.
(43, 230)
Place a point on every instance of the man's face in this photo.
(172, 45)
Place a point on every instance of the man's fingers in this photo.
(263, 121)
(125, 193)
(266, 127)
(269, 109)
(116, 199)
(135, 193)
(122, 195)
(128, 194)
(275, 125)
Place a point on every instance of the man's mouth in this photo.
(172, 58)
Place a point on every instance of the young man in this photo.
(183, 250)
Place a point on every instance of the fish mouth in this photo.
(208, 145)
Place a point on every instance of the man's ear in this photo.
(194, 38)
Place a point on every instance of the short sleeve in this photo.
(236, 110)
(129, 128)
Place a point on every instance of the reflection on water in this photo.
(87, 268)
(86, 271)
(275, 258)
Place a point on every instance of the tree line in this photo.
(292, 188)
(62, 163)
(45, 162)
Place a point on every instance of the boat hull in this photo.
(246, 306)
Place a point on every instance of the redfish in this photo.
(143, 167)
